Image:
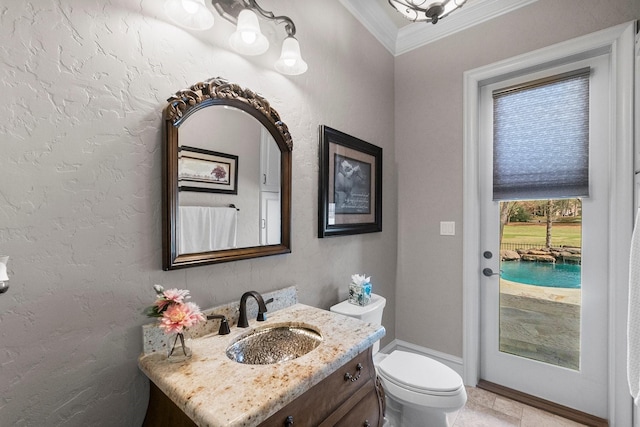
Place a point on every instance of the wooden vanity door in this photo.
(350, 397)
(365, 413)
(363, 409)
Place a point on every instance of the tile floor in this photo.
(486, 409)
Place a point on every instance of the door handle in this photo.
(489, 272)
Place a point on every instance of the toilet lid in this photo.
(419, 372)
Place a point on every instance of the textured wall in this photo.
(429, 142)
(83, 84)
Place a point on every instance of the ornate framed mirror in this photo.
(226, 177)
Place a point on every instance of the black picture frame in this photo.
(221, 171)
(350, 185)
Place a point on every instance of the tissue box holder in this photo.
(360, 294)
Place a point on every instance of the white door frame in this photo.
(618, 40)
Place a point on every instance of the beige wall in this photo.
(428, 92)
(83, 85)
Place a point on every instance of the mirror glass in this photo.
(227, 177)
(229, 149)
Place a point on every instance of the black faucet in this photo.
(262, 308)
(224, 324)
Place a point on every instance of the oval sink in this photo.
(274, 344)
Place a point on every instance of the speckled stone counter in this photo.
(215, 391)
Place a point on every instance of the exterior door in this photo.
(583, 385)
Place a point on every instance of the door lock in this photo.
(489, 272)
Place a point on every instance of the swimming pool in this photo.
(542, 274)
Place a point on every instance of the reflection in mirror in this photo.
(227, 177)
(235, 153)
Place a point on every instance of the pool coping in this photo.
(565, 295)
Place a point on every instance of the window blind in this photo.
(541, 138)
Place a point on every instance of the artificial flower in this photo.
(176, 295)
(179, 316)
(171, 296)
(175, 313)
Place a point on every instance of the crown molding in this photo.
(376, 20)
(414, 35)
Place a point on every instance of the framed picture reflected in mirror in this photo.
(205, 170)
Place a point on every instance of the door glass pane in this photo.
(540, 280)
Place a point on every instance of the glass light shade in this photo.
(291, 62)
(192, 14)
(248, 39)
(3, 268)
(426, 10)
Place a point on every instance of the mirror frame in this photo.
(215, 92)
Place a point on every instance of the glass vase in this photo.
(179, 348)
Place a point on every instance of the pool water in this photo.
(542, 274)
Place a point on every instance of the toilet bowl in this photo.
(420, 391)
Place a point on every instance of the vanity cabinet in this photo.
(349, 397)
(352, 396)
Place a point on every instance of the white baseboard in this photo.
(453, 362)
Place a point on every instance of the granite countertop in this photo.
(215, 391)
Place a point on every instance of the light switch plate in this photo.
(447, 228)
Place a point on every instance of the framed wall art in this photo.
(208, 171)
(350, 190)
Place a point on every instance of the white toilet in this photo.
(419, 391)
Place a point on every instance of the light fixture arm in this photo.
(423, 11)
(290, 61)
(289, 26)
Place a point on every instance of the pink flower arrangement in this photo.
(175, 313)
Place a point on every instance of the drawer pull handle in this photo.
(366, 424)
(356, 377)
(288, 422)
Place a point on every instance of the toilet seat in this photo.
(419, 374)
(419, 380)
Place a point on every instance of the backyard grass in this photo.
(533, 233)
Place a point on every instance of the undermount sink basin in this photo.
(274, 344)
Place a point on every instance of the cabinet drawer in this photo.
(324, 398)
(365, 413)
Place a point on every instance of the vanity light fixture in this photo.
(290, 61)
(4, 286)
(249, 40)
(426, 10)
(191, 14)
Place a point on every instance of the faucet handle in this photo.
(224, 324)
(262, 314)
(224, 327)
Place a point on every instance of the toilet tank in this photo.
(370, 313)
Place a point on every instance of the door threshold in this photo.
(545, 405)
